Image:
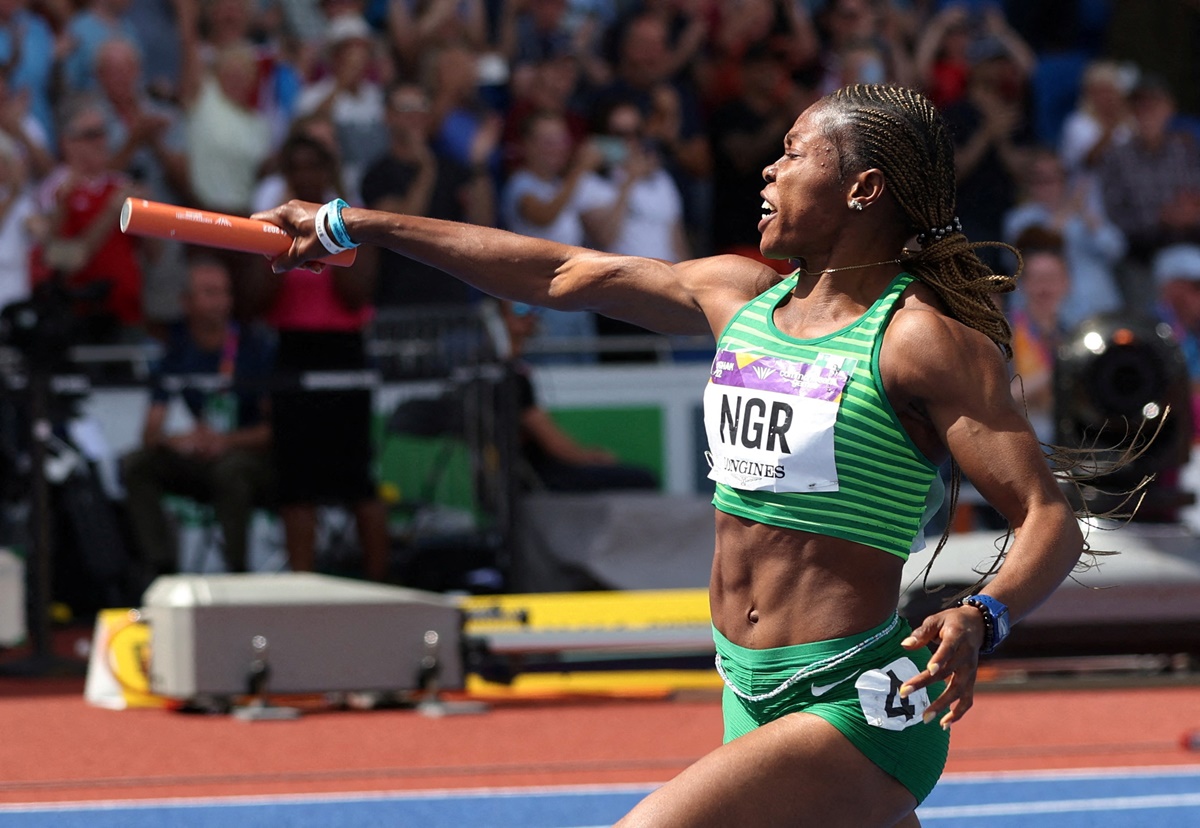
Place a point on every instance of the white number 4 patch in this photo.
(879, 695)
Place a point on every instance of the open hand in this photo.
(957, 634)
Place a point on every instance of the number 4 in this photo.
(905, 707)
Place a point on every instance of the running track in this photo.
(1101, 758)
(1162, 798)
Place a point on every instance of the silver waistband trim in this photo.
(816, 667)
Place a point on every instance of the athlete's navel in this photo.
(752, 616)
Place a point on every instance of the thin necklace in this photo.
(806, 272)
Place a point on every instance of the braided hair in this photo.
(899, 132)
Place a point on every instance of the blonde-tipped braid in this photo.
(899, 132)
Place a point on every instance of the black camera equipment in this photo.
(1122, 391)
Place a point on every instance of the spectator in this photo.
(322, 444)
(1151, 186)
(646, 216)
(461, 122)
(159, 43)
(228, 138)
(863, 45)
(350, 96)
(25, 132)
(745, 139)
(17, 219)
(223, 459)
(97, 23)
(81, 201)
(1176, 271)
(958, 38)
(417, 28)
(410, 178)
(147, 139)
(1100, 120)
(1038, 327)
(556, 460)
(210, 28)
(557, 195)
(272, 188)
(991, 137)
(535, 30)
(545, 86)
(689, 26)
(743, 29)
(29, 56)
(1091, 244)
(672, 113)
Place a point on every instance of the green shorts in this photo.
(853, 684)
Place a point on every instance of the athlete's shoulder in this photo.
(741, 275)
(928, 351)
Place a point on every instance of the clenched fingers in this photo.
(298, 220)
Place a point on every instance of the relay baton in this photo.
(140, 217)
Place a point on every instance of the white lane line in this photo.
(1062, 806)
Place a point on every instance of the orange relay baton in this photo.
(140, 217)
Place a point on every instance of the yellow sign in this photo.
(118, 668)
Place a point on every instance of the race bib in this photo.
(879, 695)
(769, 421)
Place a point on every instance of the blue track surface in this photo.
(1162, 798)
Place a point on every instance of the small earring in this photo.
(855, 205)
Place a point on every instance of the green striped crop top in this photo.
(801, 434)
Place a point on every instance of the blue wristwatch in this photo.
(995, 620)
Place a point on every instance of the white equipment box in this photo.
(209, 634)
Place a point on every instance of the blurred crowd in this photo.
(636, 126)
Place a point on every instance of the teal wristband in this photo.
(337, 227)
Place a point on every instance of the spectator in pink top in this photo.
(322, 439)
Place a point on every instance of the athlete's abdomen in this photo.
(774, 587)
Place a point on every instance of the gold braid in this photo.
(901, 133)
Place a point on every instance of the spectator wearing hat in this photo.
(350, 95)
(1176, 272)
(1151, 185)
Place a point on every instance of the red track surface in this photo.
(56, 747)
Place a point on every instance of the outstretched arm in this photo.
(958, 376)
(689, 298)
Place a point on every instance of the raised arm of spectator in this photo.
(691, 38)
(929, 44)
(1022, 54)
(803, 44)
(536, 211)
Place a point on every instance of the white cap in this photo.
(345, 27)
(1179, 261)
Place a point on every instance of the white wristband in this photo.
(323, 231)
